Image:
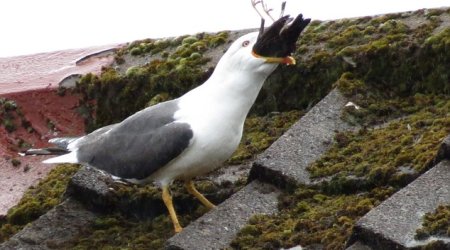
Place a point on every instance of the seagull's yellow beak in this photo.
(288, 60)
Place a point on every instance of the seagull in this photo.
(195, 133)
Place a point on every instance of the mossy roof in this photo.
(395, 67)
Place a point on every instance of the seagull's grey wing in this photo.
(64, 142)
(140, 145)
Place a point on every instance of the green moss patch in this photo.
(8, 114)
(37, 200)
(114, 231)
(308, 218)
(183, 45)
(436, 223)
(12, 119)
(260, 132)
(117, 232)
(358, 172)
(413, 143)
(400, 54)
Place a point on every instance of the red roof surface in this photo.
(31, 81)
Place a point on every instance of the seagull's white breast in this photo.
(217, 130)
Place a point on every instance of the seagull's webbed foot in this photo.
(167, 198)
(192, 190)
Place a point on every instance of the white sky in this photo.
(31, 26)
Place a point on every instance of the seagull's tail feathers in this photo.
(61, 143)
(67, 158)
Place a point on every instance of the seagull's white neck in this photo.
(238, 87)
(230, 92)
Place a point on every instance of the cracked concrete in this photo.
(284, 163)
(217, 228)
(54, 229)
(393, 224)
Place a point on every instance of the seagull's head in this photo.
(262, 51)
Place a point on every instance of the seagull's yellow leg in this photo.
(167, 198)
(192, 190)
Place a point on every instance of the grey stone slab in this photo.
(100, 193)
(88, 180)
(93, 188)
(217, 228)
(53, 230)
(393, 224)
(443, 152)
(97, 191)
(285, 161)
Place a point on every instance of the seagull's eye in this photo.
(245, 43)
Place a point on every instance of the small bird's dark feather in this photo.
(279, 40)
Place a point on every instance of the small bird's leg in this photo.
(261, 28)
(264, 7)
(283, 7)
(167, 198)
(192, 190)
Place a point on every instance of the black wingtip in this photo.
(46, 151)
